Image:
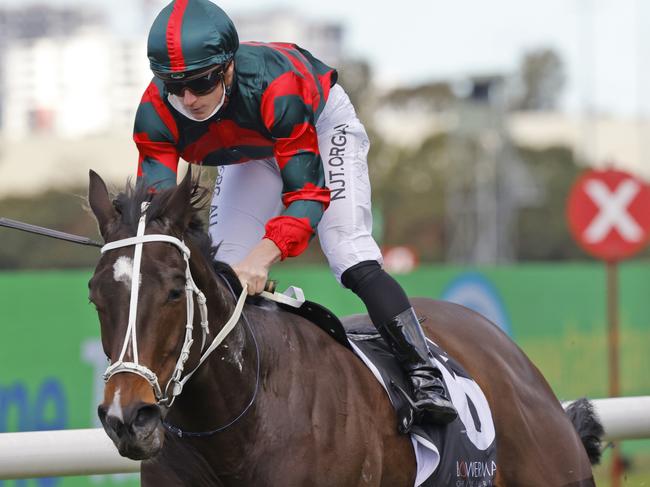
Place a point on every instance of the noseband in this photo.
(164, 397)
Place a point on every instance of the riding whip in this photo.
(27, 227)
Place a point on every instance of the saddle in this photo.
(462, 453)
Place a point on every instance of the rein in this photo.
(293, 296)
(198, 434)
(164, 397)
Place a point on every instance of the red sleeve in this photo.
(287, 110)
(290, 234)
(156, 137)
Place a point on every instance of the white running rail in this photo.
(90, 452)
(59, 453)
(624, 418)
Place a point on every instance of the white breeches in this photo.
(247, 195)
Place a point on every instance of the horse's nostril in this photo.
(101, 412)
(115, 424)
(147, 415)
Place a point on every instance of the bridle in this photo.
(163, 396)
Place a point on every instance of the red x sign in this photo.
(609, 214)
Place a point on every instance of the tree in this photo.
(57, 210)
(542, 78)
(430, 96)
(408, 189)
(542, 231)
(355, 76)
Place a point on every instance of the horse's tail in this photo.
(586, 422)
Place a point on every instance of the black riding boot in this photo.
(384, 298)
(405, 336)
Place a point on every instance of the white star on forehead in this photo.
(123, 270)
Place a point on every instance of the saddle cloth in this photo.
(461, 454)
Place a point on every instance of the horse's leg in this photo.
(398, 464)
(154, 474)
(537, 445)
(536, 442)
(367, 452)
(178, 464)
(389, 458)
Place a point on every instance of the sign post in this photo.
(613, 327)
(609, 216)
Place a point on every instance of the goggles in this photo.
(199, 84)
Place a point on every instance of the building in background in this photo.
(79, 85)
(323, 39)
(23, 25)
(70, 73)
(71, 80)
(65, 73)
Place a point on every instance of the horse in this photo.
(278, 402)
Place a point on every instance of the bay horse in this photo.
(279, 402)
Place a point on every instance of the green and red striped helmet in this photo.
(190, 35)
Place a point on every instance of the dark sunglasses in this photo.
(202, 85)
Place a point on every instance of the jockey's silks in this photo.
(278, 93)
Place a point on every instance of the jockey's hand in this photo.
(254, 269)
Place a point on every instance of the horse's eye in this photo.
(175, 294)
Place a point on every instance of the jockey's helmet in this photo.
(189, 36)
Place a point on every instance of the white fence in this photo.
(58, 453)
(89, 451)
(624, 418)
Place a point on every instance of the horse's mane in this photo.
(128, 204)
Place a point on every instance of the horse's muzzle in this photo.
(135, 430)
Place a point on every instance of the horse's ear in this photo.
(178, 209)
(100, 203)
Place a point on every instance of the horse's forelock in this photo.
(128, 204)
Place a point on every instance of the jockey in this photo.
(292, 162)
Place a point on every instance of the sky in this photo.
(604, 44)
(601, 41)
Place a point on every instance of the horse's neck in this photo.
(291, 356)
(295, 391)
(222, 387)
